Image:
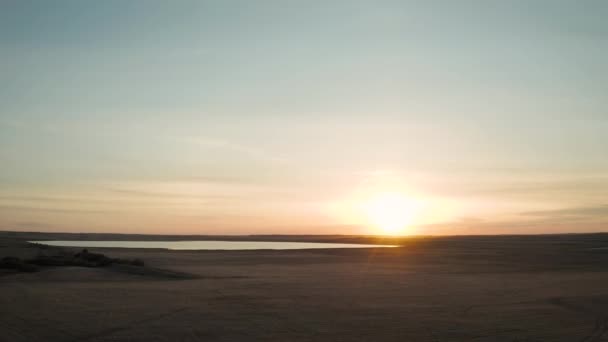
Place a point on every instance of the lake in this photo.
(205, 245)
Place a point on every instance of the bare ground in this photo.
(541, 288)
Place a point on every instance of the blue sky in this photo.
(272, 116)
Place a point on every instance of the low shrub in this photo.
(17, 264)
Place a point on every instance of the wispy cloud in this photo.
(52, 210)
(576, 213)
(53, 199)
(242, 149)
(574, 219)
(164, 195)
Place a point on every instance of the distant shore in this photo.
(351, 239)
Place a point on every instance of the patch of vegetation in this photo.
(17, 264)
(83, 258)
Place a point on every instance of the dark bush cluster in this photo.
(17, 264)
(83, 258)
(87, 259)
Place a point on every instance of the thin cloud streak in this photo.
(9, 208)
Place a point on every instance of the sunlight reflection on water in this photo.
(205, 245)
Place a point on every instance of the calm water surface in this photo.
(208, 245)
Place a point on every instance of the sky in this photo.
(287, 117)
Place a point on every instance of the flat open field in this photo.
(503, 288)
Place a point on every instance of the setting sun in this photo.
(391, 213)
